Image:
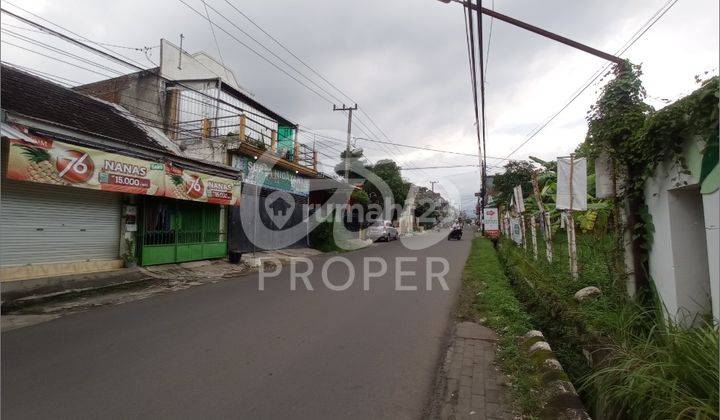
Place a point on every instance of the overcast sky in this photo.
(405, 63)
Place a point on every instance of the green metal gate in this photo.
(175, 231)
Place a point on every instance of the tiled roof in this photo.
(35, 97)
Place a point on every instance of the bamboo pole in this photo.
(570, 225)
(522, 229)
(534, 236)
(548, 238)
(545, 218)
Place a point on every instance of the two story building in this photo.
(198, 103)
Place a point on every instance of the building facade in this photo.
(87, 186)
(199, 105)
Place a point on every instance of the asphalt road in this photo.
(228, 350)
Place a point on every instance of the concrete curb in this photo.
(20, 290)
(559, 398)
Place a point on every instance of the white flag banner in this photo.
(516, 230)
(603, 177)
(518, 199)
(579, 184)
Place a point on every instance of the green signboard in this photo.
(286, 142)
(261, 174)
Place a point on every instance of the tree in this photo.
(517, 172)
(389, 172)
(355, 163)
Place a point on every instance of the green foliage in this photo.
(388, 171)
(486, 293)
(322, 238)
(354, 162)
(359, 196)
(618, 114)
(649, 368)
(517, 172)
(664, 372)
(640, 139)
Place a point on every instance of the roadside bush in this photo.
(322, 238)
(627, 361)
(665, 372)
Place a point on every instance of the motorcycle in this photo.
(456, 233)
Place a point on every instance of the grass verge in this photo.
(643, 366)
(487, 297)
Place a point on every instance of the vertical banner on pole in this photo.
(572, 195)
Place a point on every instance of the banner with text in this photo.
(266, 176)
(184, 184)
(41, 159)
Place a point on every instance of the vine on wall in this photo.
(638, 139)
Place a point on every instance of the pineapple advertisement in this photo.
(184, 184)
(44, 160)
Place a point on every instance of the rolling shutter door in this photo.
(49, 224)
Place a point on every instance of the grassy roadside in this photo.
(642, 366)
(487, 297)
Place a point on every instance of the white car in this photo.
(382, 230)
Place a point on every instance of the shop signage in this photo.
(41, 159)
(491, 221)
(184, 184)
(263, 175)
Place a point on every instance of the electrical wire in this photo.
(633, 39)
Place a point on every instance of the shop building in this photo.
(207, 114)
(86, 186)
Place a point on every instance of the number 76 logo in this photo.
(75, 166)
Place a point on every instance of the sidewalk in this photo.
(27, 302)
(474, 386)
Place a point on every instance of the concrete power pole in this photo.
(350, 110)
(432, 185)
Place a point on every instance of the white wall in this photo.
(198, 66)
(683, 261)
(711, 204)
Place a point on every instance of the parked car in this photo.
(382, 230)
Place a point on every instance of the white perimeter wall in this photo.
(684, 257)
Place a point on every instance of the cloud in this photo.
(405, 63)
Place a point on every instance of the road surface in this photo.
(228, 350)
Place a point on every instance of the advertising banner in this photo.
(492, 222)
(261, 174)
(516, 232)
(563, 201)
(184, 184)
(518, 200)
(41, 159)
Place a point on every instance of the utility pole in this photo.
(432, 185)
(350, 110)
(181, 52)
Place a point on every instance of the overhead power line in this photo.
(633, 39)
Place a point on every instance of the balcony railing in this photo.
(236, 131)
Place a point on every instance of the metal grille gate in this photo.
(176, 231)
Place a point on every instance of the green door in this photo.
(175, 231)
